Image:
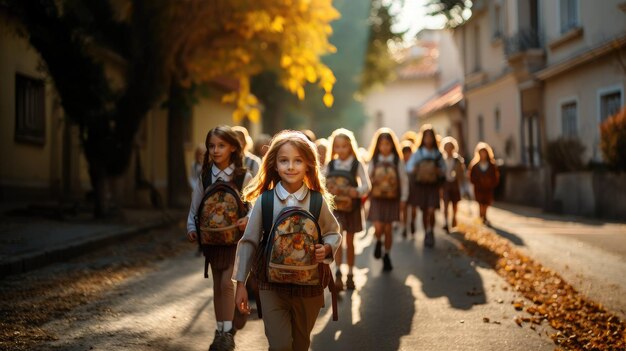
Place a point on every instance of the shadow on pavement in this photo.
(386, 311)
(516, 240)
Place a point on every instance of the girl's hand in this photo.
(321, 252)
(242, 223)
(192, 237)
(241, 298)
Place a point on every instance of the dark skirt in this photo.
(483, 196)
(451, 192)
(220, 257)
(351, 222)
(425, 196)
(384, 210)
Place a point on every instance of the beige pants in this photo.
(289, 320)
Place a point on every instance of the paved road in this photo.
(589, 254)
(435, 299)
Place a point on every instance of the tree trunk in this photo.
(179, 113)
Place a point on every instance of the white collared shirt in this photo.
(292, 199)
(224, 174)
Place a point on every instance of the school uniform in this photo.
(424, 195)
(455, 171)
(352, 222)
(219, 257)
(485, 177)
(388, 210)
(289, 310)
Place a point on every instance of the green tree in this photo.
(453, 10)
(379, 63)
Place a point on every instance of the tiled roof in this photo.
(446, 98)
(418, 61)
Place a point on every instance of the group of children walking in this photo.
(280, 220)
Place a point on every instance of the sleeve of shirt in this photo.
(365, 185)
(248, 244)
(330, 231)
(404, 181)
(196, 198)
(410, 166)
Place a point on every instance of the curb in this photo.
(29, 262)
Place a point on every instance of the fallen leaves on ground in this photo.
(581, 324)
(29, 301)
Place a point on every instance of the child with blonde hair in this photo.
(289, 179)
(455, 179)
(349, 182)
(485, 176)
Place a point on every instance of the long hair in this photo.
(482, 146)
(343, 133)
(384, 133)
(455, 144)
(268, 176)
(427, 128)
(230, 137)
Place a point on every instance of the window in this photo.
(477, 49)
(569, 119)
(496, 119)
(497, 21)
(610, 104)
(569, 15)
(30, 101)
(379, 119)
(413, 122)
(481, 128)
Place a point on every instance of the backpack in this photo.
(221, 207)
(287, 249)
(339, 183)
(426, 170)
(385, 180)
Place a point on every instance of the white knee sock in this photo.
(228, 325)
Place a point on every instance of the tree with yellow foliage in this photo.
(167, 46)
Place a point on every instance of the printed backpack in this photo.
(385, 180)
(339, 183)
(287, 250)
(426, 170)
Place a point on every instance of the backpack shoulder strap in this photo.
(315, 204)
(355, 167)
(331, 165)
(267, 212)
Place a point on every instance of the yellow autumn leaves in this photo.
(238, 39)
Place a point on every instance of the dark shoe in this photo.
(350, 282)
(429, 239)
(338, 281)
(412, 228)
(387, 263)
(445, 227)
(404, 233)
(228, 340)
(216, 341)
(378, 249)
